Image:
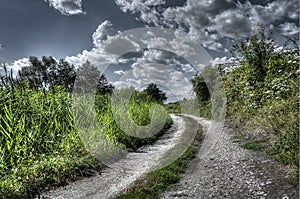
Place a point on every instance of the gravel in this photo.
(222, 169)
(121, 174)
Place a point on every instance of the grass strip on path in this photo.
(157, 182)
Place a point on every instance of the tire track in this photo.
(121, 174)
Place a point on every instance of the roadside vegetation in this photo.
(155, 183)
(262, 90)
(40, 144)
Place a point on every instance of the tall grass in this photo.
(40, 143)
(37, 138)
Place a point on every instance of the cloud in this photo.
(159, 59)
(102, 32)
(144, 8)
(162, 68)
(210, 21)
(273, 13)
(120, 72)
(289, 29)
(106, 49)
(18, 64)
(67, 7)
(174, 83)
(218, 61)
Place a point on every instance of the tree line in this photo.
(50, 74)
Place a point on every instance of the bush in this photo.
(262, 93)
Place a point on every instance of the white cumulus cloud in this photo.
(107, 48)
(159, 60)
(18, 64)
(120, 72)
(67, 7)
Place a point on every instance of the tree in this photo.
(65, 76)
(48, 73)
(156, 94)
(90, 79)
(104, 87)
(201, 89)
(87, 77)
(256, 52)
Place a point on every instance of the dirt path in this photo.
(222, 169)
(121, 174)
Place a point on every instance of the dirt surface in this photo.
(123, 173)
(222, 169)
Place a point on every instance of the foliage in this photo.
(134, 116)
(104, 86)
(37, 134)
(41, 145)
(155, 93)
(256, 52)
(48, 73)
(201, 89)
(89, 78)
(263, 93)
(209, 89)
(256, 144)
(173, 107)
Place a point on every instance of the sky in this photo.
(80, 30)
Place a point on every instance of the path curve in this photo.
(222, 169)
(121, 174)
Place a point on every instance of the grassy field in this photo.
(40, 140)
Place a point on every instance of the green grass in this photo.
(256, 144)
(41, 144)
(269, 105)
(28, 181)
(157, 182)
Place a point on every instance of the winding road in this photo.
(221, 169)
(123, 173)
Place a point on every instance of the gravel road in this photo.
(123, 173)
(222, 169)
